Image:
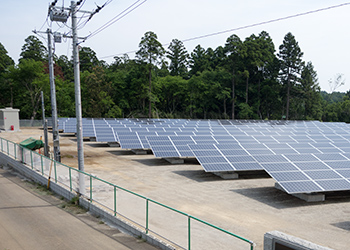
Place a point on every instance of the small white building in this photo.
(9, 119)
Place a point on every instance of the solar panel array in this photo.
(302, 156)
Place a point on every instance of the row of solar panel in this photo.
(300, 156)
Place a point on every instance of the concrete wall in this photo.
(291, 242)
(122, 225)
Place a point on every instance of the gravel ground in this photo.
(249, 206)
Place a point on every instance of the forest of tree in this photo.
(243, 79)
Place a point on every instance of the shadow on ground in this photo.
(201, 175)
(98, 145)
(154, 162)
(198, 175)
(278, 199)
(121, 152)
(343, 225)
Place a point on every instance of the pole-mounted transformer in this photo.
(58, 15)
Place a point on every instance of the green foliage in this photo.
(198, 60)
(96, 98)
(33, 49)
(29, 79)
(245, 112)
(243, 79)
(88, 59)
(178, 57)
(291, 64)
(5, 60)
(6, 86)
(151, 52)
(66, 67)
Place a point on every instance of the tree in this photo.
(178, 57)
(5, 60)
(291, 64)
(30, 79)
(310, 90)
(5, 84)
(151, 52)
(258, 53)
(33, 49)
(198, 60)
(171, 93)
(66, 66)
(88, 59)
(97, 95)
(233, 48)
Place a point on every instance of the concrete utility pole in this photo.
(78, 110)
(58, 14)
(46, 147)
(56, 142)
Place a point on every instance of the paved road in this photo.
(28, 220)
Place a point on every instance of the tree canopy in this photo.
(243, 78)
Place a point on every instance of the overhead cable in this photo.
(117, 18)
(246, 26)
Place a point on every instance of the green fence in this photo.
(179, 229)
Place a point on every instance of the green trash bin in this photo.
(32, 143)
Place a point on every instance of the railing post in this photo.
(70, 179)
(147, 203)
(1, 146)
(42, 164)
(31, 158)
(14, 146)
(8, 150)
(251, 246)
(115, 200)
(189, 232)
(54, 164)
(90, 188)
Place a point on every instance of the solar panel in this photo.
(334, 185)
(289, 176)
(339, 164)
(330, 157)
(303, 156)
(300, 187)
(279, 167)
(322, 174)
(311, 165)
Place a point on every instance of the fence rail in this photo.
(179, 229)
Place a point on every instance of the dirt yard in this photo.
(249, 206)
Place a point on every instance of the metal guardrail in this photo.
(179, 229)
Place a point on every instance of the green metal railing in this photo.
(106, 194)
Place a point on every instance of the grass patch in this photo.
(67, 156)
(72, 206)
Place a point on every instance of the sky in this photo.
(323, 36)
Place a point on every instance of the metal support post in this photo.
(46, 140)
(78, 110)
(56, 143)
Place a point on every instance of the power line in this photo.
(116, 18)
(266, 22)
(245, 27)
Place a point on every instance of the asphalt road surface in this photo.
(33, 220)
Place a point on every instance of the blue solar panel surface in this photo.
(302, 156)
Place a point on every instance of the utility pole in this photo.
(58, 14)
(78, 111)
(46, 147)
(56, 142)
